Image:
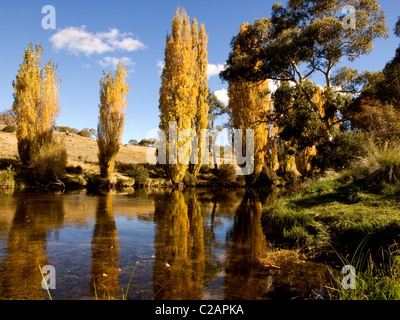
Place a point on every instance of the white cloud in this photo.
(222, 96)
(160, 66)
(214, 69)
(77, 40)
(112, 63)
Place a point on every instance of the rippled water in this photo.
(190, 245)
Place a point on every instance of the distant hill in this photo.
(81, 151)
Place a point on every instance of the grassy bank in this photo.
(335, 211)
(343, 219)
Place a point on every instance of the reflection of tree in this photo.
(19, 273)
(105, 264)
(216, 206)
(248, 244)
(179, 244)
(196, 246)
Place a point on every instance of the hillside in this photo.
(81, 151)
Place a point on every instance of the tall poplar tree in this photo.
(36, 104)
(200, 63)
(111, 119)
(183, 91)
(249, 104)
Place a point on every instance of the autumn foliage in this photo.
(36, 105)
(113, 90)
(184, 89)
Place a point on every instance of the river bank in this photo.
(338, 219)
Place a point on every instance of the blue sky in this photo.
(91, 35)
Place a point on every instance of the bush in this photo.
(290, 178)
(84, 133)
(267, 178)
(10, 128)
(139, 173)
(8, 117)
(133, 142)
(7, 178)
(189, 179)
(49, 163)
(205, 169)
(381, 165)
(225, 174)
(147, 142)
(95, 183)
(340, 153)
(66, 129)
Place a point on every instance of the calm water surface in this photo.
(190, 245)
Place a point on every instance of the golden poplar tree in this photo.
(200, 63)
(183, 91)
(250, 104)
(111, 119)
(36, 103)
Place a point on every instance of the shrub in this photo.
(66, 129)
(267, 178)
(95, 183)
(10, 128)
(225, 174)
(7, 178)
(133, 142)
(139, 173)
(84, 133)
(8, 117)
(49, 163)
(340, 153)
(290, 178)
(381, 165)
(189, 179)
(147, 142)
(205, 169)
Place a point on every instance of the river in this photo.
(187, 245)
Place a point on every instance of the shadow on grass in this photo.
(346, 194)
(6, 162)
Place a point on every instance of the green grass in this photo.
(342, 216)
(7, 177)
(373, 281)
(380, 166)
(337, 210)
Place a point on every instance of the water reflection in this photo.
(246, 244)
(26, 246)
(179, 247)
(192, 245)
(105, 264)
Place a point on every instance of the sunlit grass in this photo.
(373, 280)
(341, 211)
